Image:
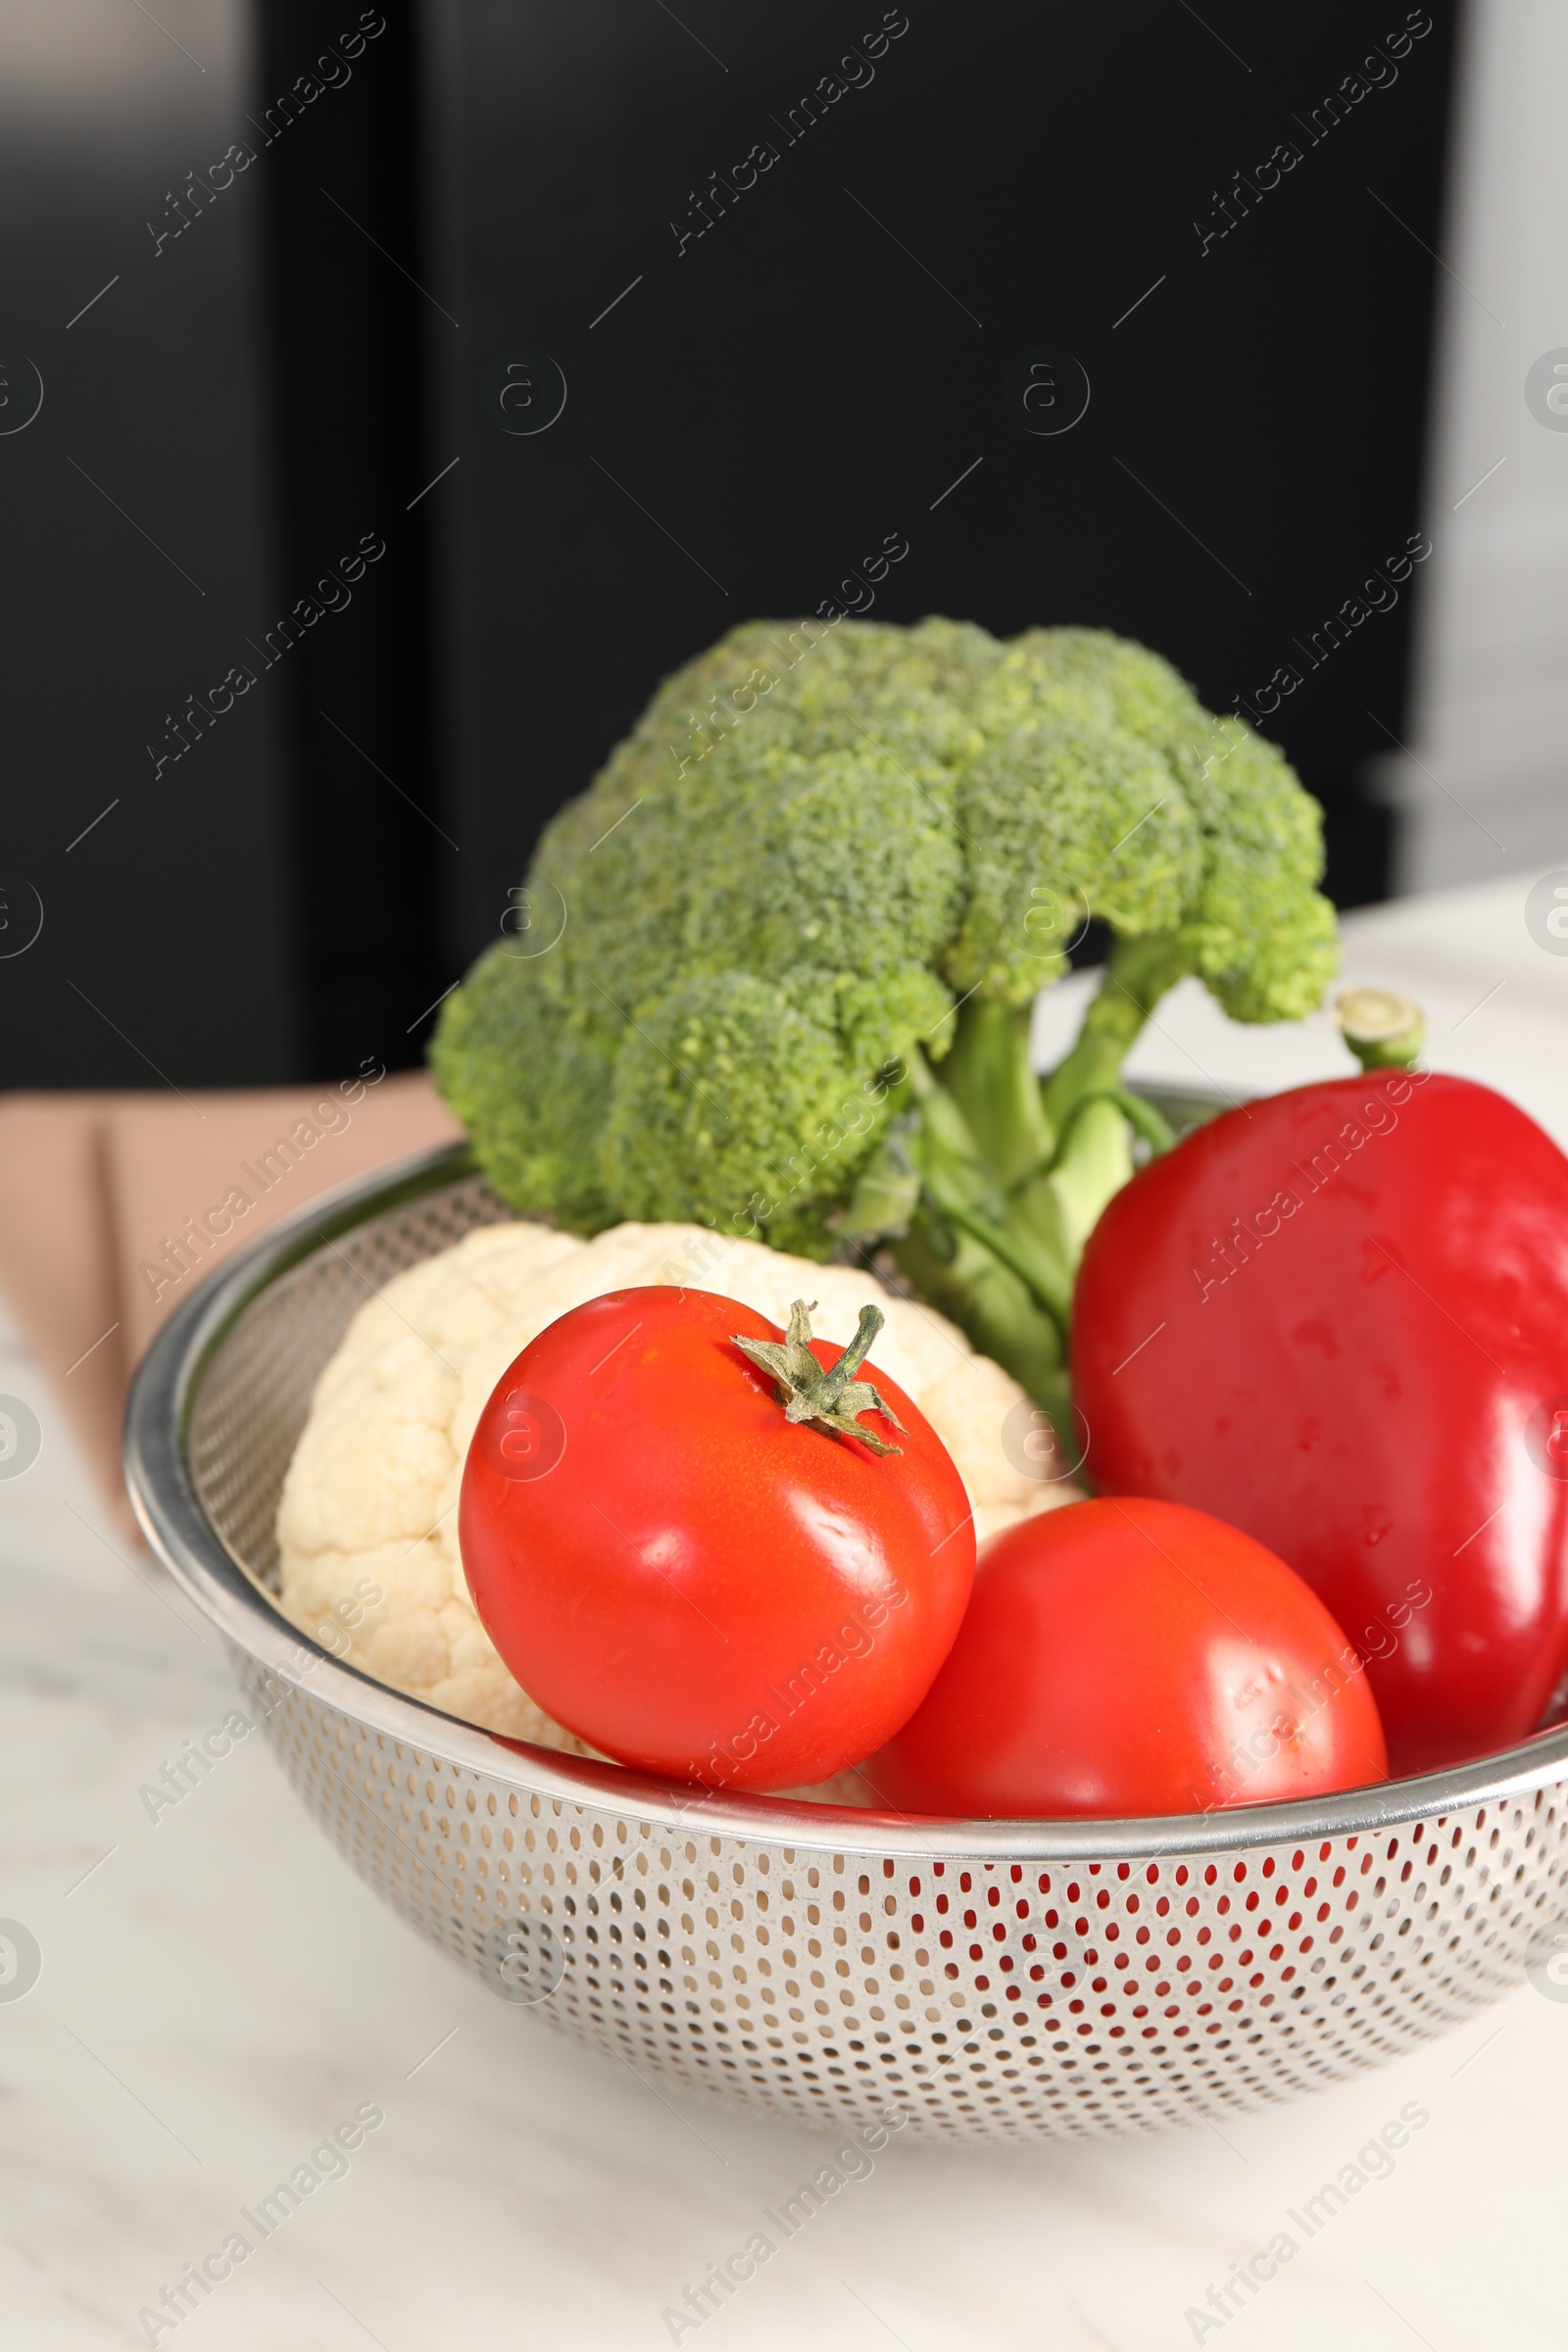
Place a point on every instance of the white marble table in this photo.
(218, 1991)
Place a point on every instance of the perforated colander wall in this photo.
(982, 1997)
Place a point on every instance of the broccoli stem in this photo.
(1014, 1174)
(989, 1074)
(1036, 1257)
(1137, 976)
(1385, 1031)
(968, 1283)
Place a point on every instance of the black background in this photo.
(796, 384)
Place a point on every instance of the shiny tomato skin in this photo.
(690, 1582)
(1338, 1317)
(1122, 1657)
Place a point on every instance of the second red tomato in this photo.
(1130, 1657)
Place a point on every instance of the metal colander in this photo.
(1017, 1980)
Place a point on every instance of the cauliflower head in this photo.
(368, 1520)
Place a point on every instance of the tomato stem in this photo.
(830, 1400)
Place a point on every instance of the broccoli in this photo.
(785, 947)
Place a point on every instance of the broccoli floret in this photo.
(779, 958)
(531, 1086)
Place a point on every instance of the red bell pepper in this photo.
(1338, 1317)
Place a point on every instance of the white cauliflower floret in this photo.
(392, 1409)
(369, 1505)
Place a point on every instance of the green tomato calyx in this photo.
(830, 1400)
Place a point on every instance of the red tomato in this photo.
(1131, 1657)
(687, 1579)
